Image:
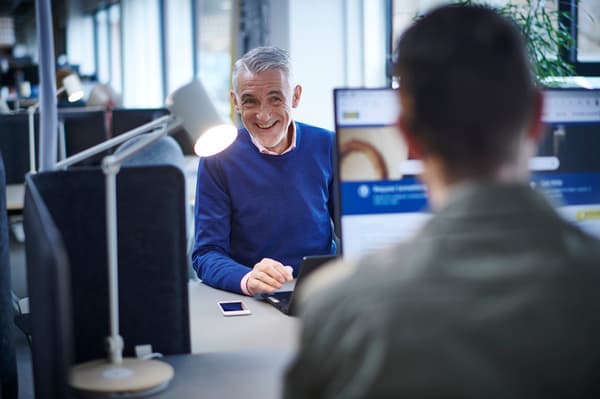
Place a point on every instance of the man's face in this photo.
(265, 101)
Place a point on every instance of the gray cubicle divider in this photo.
(84, 128)
(153, 296)
(125, 119)
(49, 299)
(8, 365)
(14, 145)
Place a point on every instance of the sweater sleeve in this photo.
(212, 216)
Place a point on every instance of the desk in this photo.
(237, 357)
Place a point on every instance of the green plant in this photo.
(546, 35)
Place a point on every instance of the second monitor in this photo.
(382, 201)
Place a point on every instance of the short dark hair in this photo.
(469, 80)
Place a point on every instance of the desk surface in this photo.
(233, 357)
(265, 329)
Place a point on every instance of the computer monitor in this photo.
(48, 279)
(380, 199)
(84, 128)
(125, 119)
(14, 145)
(567, 166)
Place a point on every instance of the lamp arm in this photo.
(115, 141)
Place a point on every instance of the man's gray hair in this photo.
(261, 59)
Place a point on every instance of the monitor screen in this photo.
(567, 166)
(83, 128)
(380, 199)
(126, 119)
(14, 145)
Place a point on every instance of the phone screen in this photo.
(231, 306)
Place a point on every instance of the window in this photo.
(103, 65)
(581, 17)
(114, 30)
(80, 39)
(588, 31)
(142, 66)
(213, 21)
(179, 47)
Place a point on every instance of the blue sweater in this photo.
(251, 206)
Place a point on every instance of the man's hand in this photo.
(268, 275)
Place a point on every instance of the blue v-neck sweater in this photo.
(251, 206)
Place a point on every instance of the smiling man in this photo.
(266, 201)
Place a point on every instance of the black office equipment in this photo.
(8, 365)
(126, 119)
(286, 301)
(14, 145)
(153, 274)
(84, 128)
(49, 298)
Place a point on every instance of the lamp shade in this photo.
(72, 86)
(209, 131)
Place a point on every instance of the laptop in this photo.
(285, 300)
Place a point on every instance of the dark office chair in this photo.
(8, 364)
(49, 298)
(153, 296)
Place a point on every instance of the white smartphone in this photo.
(233, 308)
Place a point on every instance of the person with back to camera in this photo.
(497, 296)
(266, 201)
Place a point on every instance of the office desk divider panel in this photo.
(48, 278)
(84, 128)
(8, 365)
(14, 145)
(153, 296)
(126, 119)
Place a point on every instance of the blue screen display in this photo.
(231, 306)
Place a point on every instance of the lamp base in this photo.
(132, 378)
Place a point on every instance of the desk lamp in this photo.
(70, 84)
(191, 108)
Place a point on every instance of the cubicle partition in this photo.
(125, 119)
(14, 145)
(153, 294)
(84, 128)
(50, 299)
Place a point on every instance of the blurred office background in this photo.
(144, 49)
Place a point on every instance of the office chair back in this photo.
(49, 298)
(8, 364)
(153, 296)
